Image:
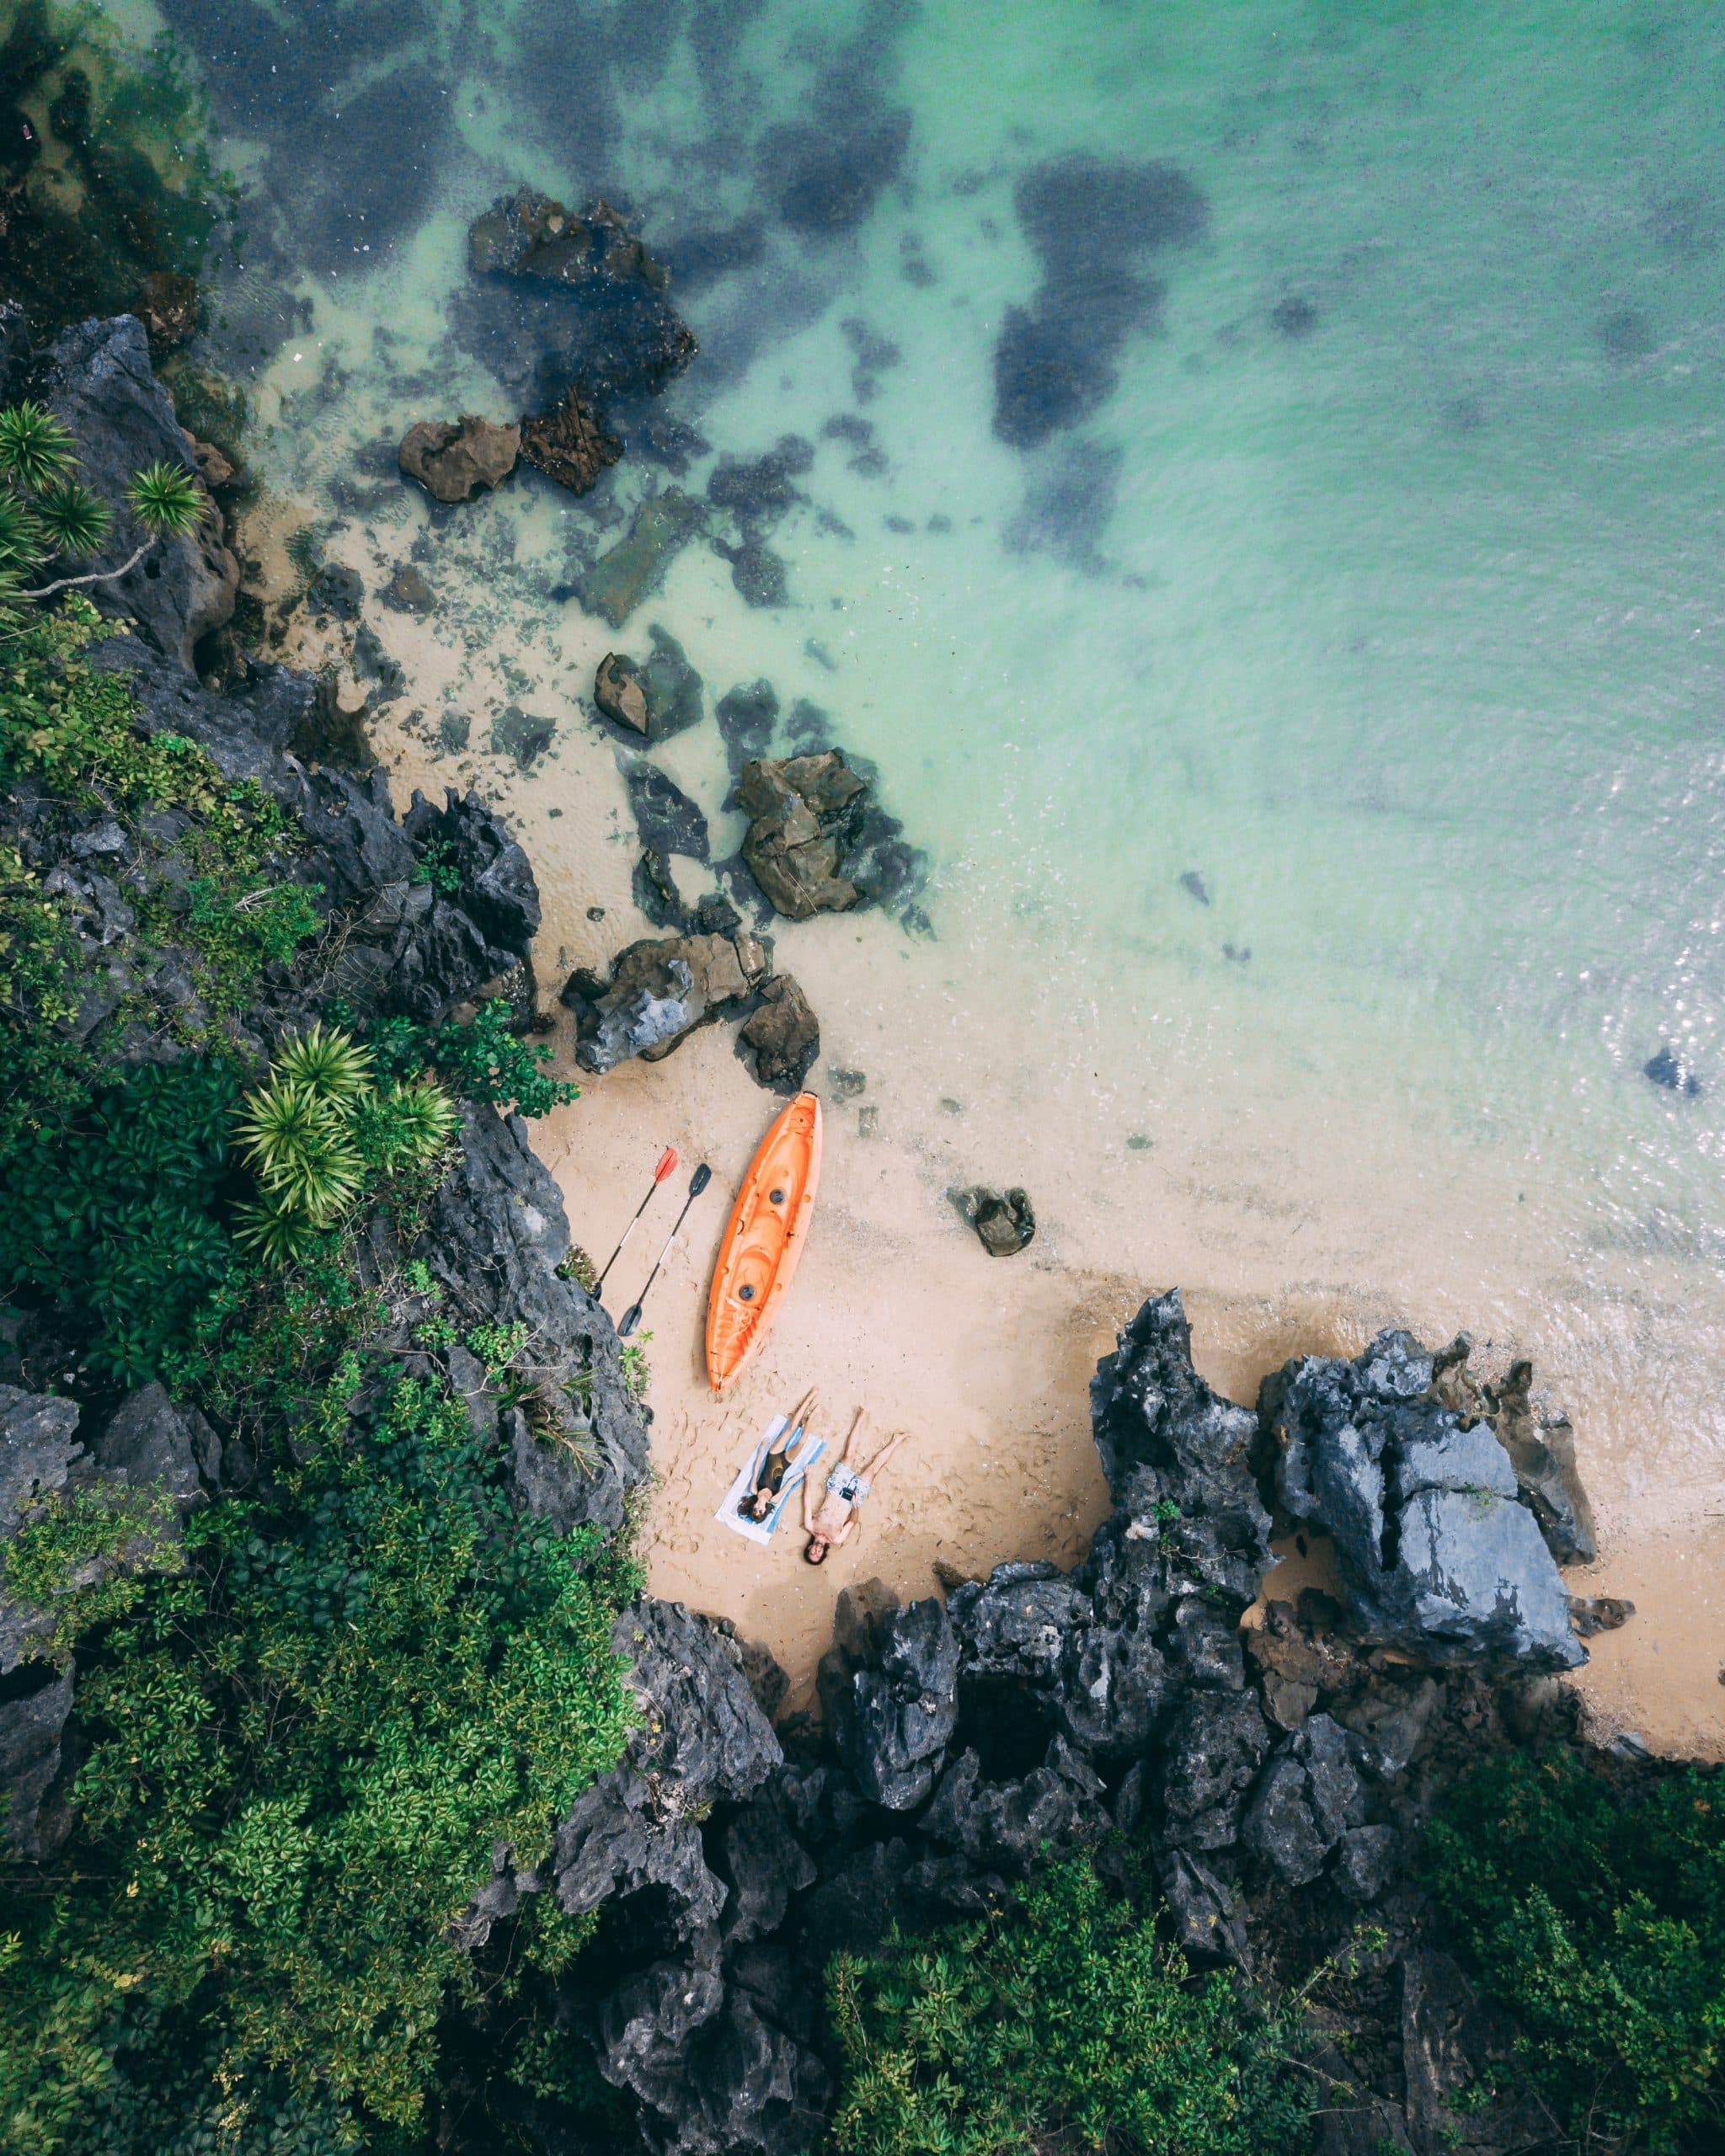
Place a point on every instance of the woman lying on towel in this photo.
(757, 1502)
(833, 1520)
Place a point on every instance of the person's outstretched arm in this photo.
(809, 1506)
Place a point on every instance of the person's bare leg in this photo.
(879, 1459)
(858, 1422)
(801, 1411)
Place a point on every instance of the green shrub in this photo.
(80, 1556)
(482, 1060)
(1599, 1921)
(110, 1209)
(301, 1754)
(1063, 2022)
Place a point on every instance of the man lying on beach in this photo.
(834, 1520)
(769, 1480)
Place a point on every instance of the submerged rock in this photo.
(586, 287)
(1436, 1555)
(568, 445)
(619, 692)
(1002, 1218)
(668, 821)
(628, 573)
(452, 461)
(1672, 1071)
(800, 808)
(167, 305)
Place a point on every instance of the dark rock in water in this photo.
(667, 819)
(810, 829)
(568, 445)
(1438, 1558)
(746, 716)
(628, 573)
(759, 574)
(658, 991)
(454, 730)
(96, 377)
(654, 888)
(519, 735)
(823, 177)
(585, 287)
(408, 592)
(1294, 317)
(1091, 223)
(618, 693)
(760, 493)
(1194, 885)
(1592, 1614)
(336, 589)
(671, 685)
(889, 1689)
(783, 1035)
(1541, 1449)
(1669, 1070)
(664, 441)
(167, 305)
(453, 462)
(1003, 1219)
(844, 1084)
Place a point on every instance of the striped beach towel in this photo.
(806, 1449)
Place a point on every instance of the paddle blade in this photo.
(699, 1181)
(629, 1320)
(667, 1164)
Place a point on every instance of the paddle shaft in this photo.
(632, 1316)
(667, 1164)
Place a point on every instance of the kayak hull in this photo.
(763, 1241)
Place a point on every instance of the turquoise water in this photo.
(1316, 736)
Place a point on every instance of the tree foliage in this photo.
(1065, 2021)
(1599, 1921)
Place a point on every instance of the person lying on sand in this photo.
(834, 1520)
(757, 1503)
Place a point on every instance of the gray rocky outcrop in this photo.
(659, 990)
(799, 820)
(781, 1035)
(96, 377)
(889, 1688)
(1437, 1555)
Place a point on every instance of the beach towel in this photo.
(807, 1450)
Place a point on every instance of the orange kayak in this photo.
(763, 1240)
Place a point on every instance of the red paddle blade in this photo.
(667, 1164)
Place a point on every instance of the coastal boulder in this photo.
(1003, 1219)
(453, 462)
(658, 991)
(627, 573)
(96, 377)
(888, 1687)
(781, 1035)
(619, 692)
(1438, 1557)
(801, 811)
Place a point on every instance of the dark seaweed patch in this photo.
(1091, 224)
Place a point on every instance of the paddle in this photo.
(667, 1163)
(632, 1316)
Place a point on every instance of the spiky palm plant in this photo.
(298, 1148)
(35, 446)
(424, 1115)
(167, 499)
(75, 521)
(327, 1063)
(22, 544)
(274, 1231)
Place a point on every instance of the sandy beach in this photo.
(986, 1363)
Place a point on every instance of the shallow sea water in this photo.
(1317, 744)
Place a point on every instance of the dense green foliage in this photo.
(1600, 1922)
(302, 1749)
(1063, 2022)
(481, 1060)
